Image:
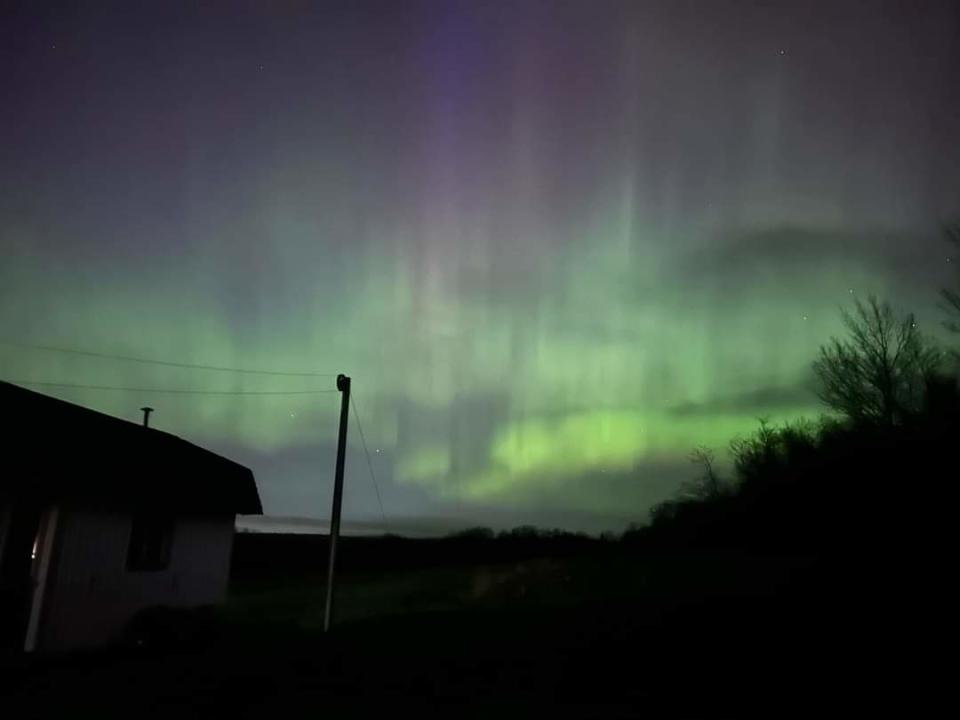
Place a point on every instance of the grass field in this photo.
(593, 634)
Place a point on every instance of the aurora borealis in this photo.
(556, 245)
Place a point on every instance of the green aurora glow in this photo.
(541, 318)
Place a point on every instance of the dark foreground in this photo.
(595, 632)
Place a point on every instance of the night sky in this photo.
(555, 244)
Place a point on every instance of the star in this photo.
(782, 51)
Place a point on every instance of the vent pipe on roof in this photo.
(146, 416)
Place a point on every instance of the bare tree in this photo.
(879, 372)
(708, 484)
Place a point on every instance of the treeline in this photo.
(261, 555)
(814, 487)
(873, 476)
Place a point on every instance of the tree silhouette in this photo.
(877, 375)
(709, 484)
(771, 449)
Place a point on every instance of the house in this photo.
(101, 518)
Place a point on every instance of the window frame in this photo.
(150, 542)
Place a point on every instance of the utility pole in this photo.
(343, 385)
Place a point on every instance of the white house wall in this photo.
(91, 594)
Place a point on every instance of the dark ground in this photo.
(435, 627)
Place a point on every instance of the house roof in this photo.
(57, 451)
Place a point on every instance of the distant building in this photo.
(101, 518)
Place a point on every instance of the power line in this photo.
(171, 391)
(166, 363)
(363, 440)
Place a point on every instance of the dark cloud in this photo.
(758, 402)
(733, 257)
